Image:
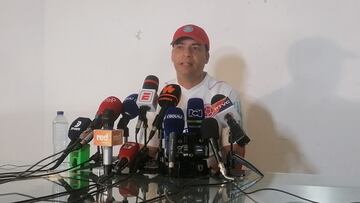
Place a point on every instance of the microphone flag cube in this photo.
(108, 138)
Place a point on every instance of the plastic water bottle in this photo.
(60, 127)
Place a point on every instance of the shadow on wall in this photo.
(269, 149)
(232, 69)
(306, 110)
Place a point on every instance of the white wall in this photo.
(294, 63)
(21, 81)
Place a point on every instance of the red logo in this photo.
(168, 89)
(146, 96)
(208, 111)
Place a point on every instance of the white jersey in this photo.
(205, 90)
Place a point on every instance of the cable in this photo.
(221, 183)
(16, 193)
(9, 167)
(19, 177)
(282, 191)
(49, 197)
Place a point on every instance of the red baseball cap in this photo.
(194, 32)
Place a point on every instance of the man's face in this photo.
(189, 58)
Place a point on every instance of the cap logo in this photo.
(188, 28)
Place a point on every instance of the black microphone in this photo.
(210, 131)
(173, 127)
(226, 113)
(130, 111)
(195, 114)
(147, 99)
(169, 96)
(76, 128)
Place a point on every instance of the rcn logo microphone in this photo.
(195, 114)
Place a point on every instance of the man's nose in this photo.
(187, 52)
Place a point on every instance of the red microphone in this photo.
(111, 103)
(127, 155)
(129, 189)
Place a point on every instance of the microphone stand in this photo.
(145, 127)
(126, 134)
(233, 158)
(230, 156)
(161, 154)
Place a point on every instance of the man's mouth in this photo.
(186, 64)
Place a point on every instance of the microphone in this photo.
(127, 154)
(226, 113)
(210, 131)
(169, 96)
(173, 127)
(128, 188)
(110, 103)
(78, 187)
(195, 114)
(130, 111)
(147, 99)
(108, 137)
(75, 129)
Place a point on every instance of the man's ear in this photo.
(207, 57)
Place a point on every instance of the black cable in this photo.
(154, 199)
(104, 187)
(251, 183)
(43, 160)
(21, 174)
(47, 174)
(249, 165)
(9, 167)
(64, 152)
(226, 181)
(16, 193)
(32, 166)
(282, 191)
(48, 197)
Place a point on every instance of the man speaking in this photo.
(190, 54)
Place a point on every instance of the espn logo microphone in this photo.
(148, 97)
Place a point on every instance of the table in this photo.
(140, 188)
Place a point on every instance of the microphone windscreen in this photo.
(170, 95)
(110, 103)
(130, 107)
(77, 127)
(217, 98)
(195, 114)
(174, 121)
(129, 150)
(151, 82)
(210, 128)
